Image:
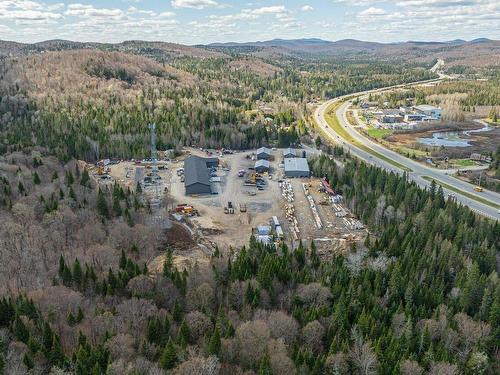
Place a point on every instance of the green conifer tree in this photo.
(168, 358)
(214, 344)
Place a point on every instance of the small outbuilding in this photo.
(262, 166)
(263, 153)
(297, 167)
(212, 162)
(289, 153)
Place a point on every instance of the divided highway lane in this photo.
(420, 173)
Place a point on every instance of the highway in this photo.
(420, 173)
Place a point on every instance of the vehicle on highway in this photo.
(479, 189)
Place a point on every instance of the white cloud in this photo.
(372, 12)
(437, 3)
(88, 11)
(276, 9)
(357, 3)
(194, 4)
(306, 8)
(166, 14)
(25, 10)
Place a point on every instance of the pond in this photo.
(452, 139)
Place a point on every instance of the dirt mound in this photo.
(179, 237)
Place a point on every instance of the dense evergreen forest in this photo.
(421, 296)
(90, 103)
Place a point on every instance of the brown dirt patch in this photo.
(179, 237)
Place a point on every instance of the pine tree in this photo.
(168, 358)
(265, 366)
(85, 180)
(36, 178)
(72, 194)
(69, 180)
(214, 345)
(62, 265)
(79, 315)
(28, 361)
(77, 273)
(123, 260)
(20, 188)
(495, 318)
(183, 335)
(472, 291)
(117, 208)
(102, 205)
(56, 355)
(19, 330)
(70, 319)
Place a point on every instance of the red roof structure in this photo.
(327, 186)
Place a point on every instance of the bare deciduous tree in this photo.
(198, 365)
(283, 326)
(409, 367)
(312, 336)
(443, 368)
(252, 339)
(362, 355)
(199, 324)
(313, 294)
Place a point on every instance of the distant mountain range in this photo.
(477, 52)
(353, 46)
(343, 42)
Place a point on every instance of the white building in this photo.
(429, 110)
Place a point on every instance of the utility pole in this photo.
(158, 219)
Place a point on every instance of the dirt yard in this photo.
(231, 230)
(195, 237)
(334, 237)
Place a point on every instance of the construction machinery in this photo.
(186, 210)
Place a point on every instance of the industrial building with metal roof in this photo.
(262, 166)
(263, 153)
(297, 167)
(197, 176)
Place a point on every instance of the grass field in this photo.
(463, 162)
(462, 192)
(410, 151)
(379, 133)
(334, 123)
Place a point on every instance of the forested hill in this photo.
(69, 100)
(70, 97)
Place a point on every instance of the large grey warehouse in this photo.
(296, 167)
(197, 176)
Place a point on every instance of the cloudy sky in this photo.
(206, 21)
